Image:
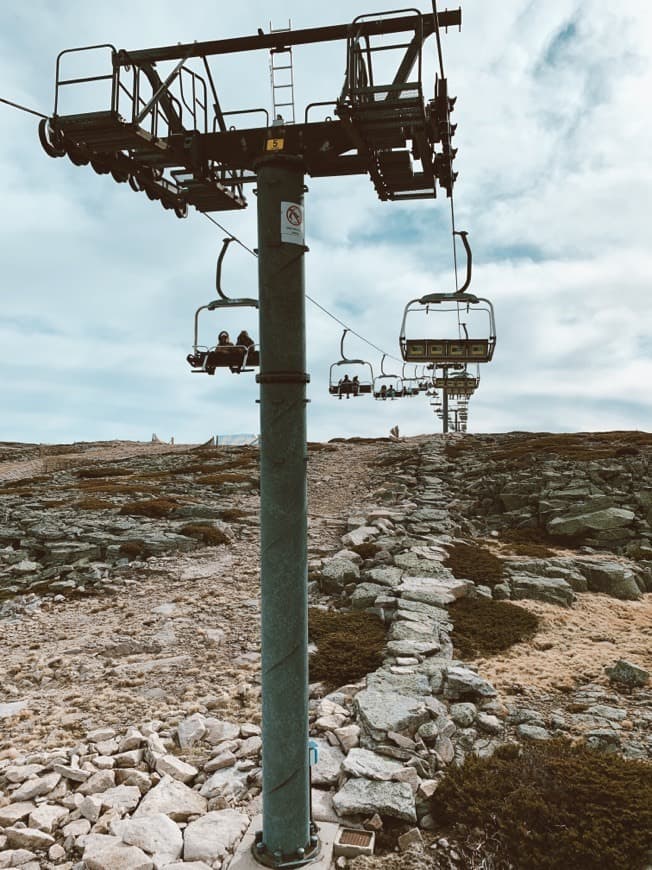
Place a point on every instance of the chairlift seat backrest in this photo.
(447, 351)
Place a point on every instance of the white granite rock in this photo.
(176, 768)
(47, 817)
(174, 799)
(214, 835)
(157, 835)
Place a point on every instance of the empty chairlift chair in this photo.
(237, 357)
(450, 350)
(356, 379)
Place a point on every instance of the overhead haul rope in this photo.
(22, 108)
(308, 297)
(247, 248)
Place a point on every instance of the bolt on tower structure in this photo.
(163, 130)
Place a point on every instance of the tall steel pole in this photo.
(286, 836)
(445, 401)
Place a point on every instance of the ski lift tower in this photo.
(163, 130)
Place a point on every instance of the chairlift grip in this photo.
(218, 272)
(469, 258)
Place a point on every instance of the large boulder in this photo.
(214, 835)
(336, 574)
(612, 578)
(555, 590)
(596, 521)
(365, 797)
(383, 711)
(437, 590)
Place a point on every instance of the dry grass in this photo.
(524, 448)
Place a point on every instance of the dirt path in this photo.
(183, 635)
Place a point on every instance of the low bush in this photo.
(552, 805)
(471, 562)
(133, 549)
(116, 488)
(93, 504)
(482, 626)
(106, 471)
(154, 508)
(231, 515)
(222, 477)
(367, 550)
(349, 646)
(209, 535)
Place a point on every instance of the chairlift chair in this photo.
(237, 358)
(410, 384)
(392, 384)
(339, 387)
(448, 351)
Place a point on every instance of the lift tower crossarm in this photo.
(447, 18)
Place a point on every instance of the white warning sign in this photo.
(292, 226)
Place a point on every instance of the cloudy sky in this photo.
(99, 285)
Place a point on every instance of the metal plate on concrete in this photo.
(244, 860)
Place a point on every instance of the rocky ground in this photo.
(129, 609)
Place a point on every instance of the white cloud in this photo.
(99, 286)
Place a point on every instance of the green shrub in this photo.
(482, 626)
(349, 646)
(209, 535)
(471, 562)
(554, 806)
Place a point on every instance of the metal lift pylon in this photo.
(178, 147)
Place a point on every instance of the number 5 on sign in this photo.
(275, 145)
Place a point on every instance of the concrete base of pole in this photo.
(244, 859)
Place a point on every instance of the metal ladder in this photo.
(282, 78)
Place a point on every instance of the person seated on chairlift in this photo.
(355, 384)
(391, 392)
(344, 386)
(244, 339)
(383, 392)
(223, 339)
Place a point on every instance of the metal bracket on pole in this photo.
(283, 378)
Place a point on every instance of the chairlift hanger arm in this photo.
(266, 41)
(469, 259)
(224, 301)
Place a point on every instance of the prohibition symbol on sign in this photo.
(294, 216)
(292, 227)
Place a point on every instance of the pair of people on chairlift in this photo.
(387, 392)
(243, 340)
(347, 386)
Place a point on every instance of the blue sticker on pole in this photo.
(292, 224)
